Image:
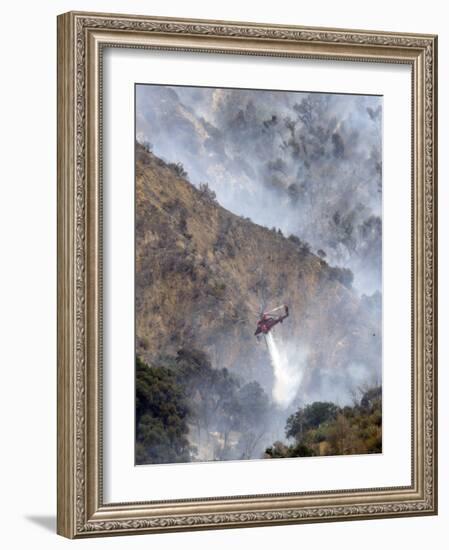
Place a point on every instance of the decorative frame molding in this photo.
(81, 38)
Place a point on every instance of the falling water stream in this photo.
(287, 375)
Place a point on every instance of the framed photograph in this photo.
(246, 274)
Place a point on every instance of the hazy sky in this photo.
(307, 163)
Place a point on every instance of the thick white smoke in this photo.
(287, 370)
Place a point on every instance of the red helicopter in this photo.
(268, 320)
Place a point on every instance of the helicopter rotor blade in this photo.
(276, 309)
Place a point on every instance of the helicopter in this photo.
(268, 319)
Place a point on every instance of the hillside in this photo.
(202, 272)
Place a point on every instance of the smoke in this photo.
(309, 164)
(287, 373)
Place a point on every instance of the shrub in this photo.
(218, 289)
(207, 193)
(343, 275)
(294, 239)
(147, 145)
(178, 169)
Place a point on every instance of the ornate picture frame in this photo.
(82, 40)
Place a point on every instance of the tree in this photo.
(311, 416)
(161, 416)
(341, 274)
(213, 392)
(323, 428)
(253, 410)
(206, 192)
(371, 399)
(178, 169)
(295, 239)
(222, 406)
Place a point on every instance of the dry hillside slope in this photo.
(201, 273)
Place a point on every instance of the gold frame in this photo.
(81, 38)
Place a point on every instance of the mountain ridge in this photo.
(202, 273)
